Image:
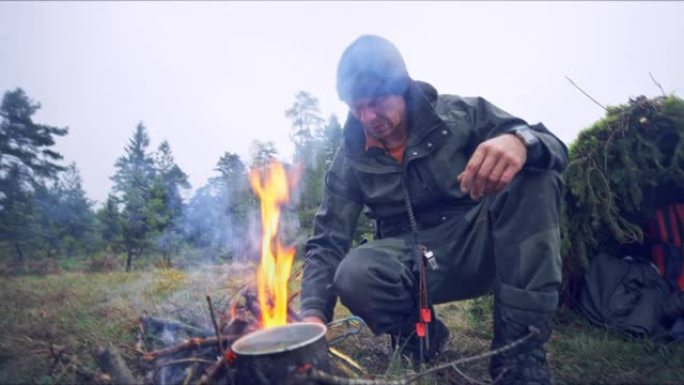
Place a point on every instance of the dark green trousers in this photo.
(508, 244)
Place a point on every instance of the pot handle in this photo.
(352, 324)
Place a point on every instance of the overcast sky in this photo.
(212, 77)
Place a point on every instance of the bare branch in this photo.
(325, 378)
(468, 378)
(193, 360)
(211, 372)
(656, 83)
(474, 358)
(216, 328)
(586, 94)
(192, 343)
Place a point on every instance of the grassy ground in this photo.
(81, 311)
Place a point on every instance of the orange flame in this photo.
(274, 269)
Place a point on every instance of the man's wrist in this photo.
(526, 136)
(518, 138)
(530, 140)
(313, 313)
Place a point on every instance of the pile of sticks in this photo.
(204, 357)
(171, 352)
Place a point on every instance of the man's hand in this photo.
(493, 165)
(313, 319)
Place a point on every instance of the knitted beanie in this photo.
(371, 66)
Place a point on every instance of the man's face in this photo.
(380, 116)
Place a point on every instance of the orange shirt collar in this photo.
(397, 153)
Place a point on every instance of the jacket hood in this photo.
(420, 98)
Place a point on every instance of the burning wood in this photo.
(198, 360)
(252, 303)
(191, 344)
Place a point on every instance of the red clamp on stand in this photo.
(425, 315)
(421, 326)
(420, 329)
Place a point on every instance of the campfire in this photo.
(259, 339)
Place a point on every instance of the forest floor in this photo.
(81, 311)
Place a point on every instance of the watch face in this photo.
(527, 136)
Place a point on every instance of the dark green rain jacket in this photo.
(444, 131)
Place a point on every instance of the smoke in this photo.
(221, 222)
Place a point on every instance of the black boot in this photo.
(526, 363)
(409, 343)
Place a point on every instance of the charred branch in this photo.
(191, 344)
(212, 372)
(111, 362)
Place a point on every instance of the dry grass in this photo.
(82, 311)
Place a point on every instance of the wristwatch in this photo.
(526, 135)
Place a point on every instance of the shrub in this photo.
(619, 170)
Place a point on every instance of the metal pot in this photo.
(272, 356)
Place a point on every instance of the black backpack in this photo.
(629, 295)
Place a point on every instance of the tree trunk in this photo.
(20, 255)
(166, 256)
(129, 257)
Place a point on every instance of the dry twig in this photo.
(194, 360)
(657, 84)
(467, 377)
(212, 372)
(348, 361)
(586, 94)
(192, 343)
(111, 362)
(64, 370)
(475, 358)
(325, 378)
(140, 345)
(216, 328)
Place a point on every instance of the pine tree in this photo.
(332, 140)
(169, 184)
(306, 134)
(306, 120)
(26, 160)
(24, 144)
(261, 154)
(18, 214)
(109, 219)
(77, 221)
(133, 181)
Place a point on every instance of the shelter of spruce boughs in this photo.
(620, 170)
